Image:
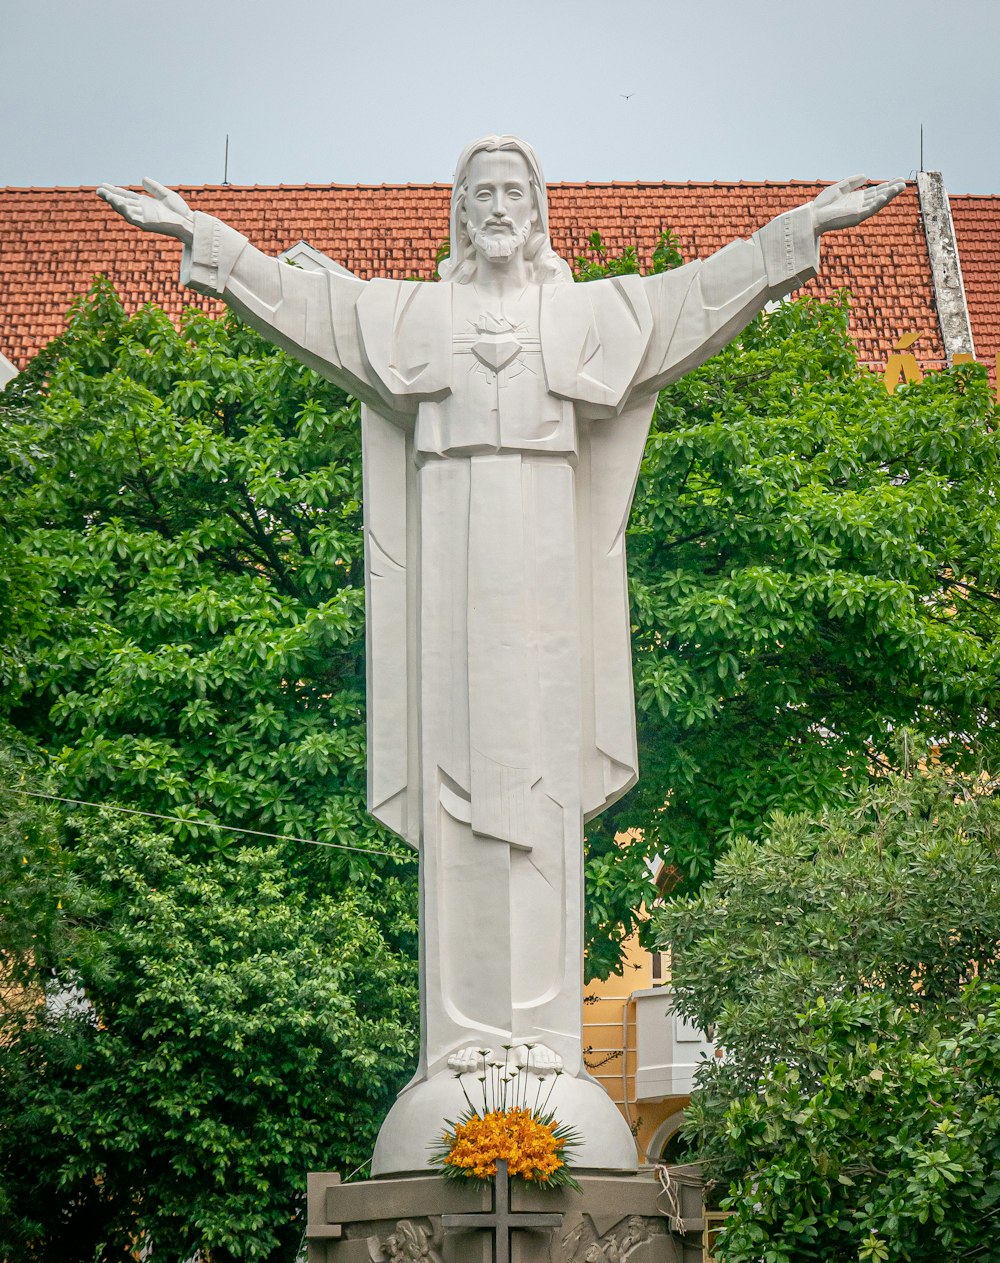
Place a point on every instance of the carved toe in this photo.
(470, 1059)
(538, 1058)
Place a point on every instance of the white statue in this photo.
(506, 410)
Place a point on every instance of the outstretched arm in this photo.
(699, 308)
(311, 315)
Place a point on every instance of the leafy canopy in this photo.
(181, 511)
(179, 1041)
(812, 566)
(195, 525)
(849, 964)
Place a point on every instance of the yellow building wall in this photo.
(609, 1049)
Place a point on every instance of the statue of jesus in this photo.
(505, 414)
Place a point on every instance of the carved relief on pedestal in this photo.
(411, 1241)
(427, 1219)
(637, 1239)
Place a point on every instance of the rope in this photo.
(669, 1190)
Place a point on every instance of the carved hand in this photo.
(847, 202)
(165, 211)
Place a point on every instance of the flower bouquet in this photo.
(514, 1123)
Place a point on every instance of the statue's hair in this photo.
(542, 260)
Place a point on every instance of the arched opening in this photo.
(666, 1145)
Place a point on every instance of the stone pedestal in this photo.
(617, 1218)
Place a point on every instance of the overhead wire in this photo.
(215, 824)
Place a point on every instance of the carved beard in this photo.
(495, 247)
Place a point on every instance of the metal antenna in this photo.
(921, 146)
(225, 167)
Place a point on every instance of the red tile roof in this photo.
(977, 233)
(53, 241)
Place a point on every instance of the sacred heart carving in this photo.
(496, 352)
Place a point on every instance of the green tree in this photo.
(21, 606)
(187, 638)
(812, 567)
(849, 965)
(180, 1041)
(195, 528)
(811, 564)
(597, 263)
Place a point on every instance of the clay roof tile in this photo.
(53, 241)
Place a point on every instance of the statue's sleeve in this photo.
(312, 315)
(700, 307)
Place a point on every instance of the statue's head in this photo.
(481, 226)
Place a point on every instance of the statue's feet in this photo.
(537, 1058)
(471, 1060)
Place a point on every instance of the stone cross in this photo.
(501, 1219)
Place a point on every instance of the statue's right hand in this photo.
(165, 211)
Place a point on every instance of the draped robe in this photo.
(502, 443)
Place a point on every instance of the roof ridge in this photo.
(438, 185)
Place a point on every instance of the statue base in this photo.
(413, 1127)
(617, 1218)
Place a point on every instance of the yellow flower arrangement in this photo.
(531, 1141)
(532, 1144)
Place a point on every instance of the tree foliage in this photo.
(20, 596)
(849, 965)
(812, 566)
(195, 525)
(598, 263)
(180, 1041)
(180, 509)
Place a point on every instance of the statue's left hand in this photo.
(165, 211)
(848, 202)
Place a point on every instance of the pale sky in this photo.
(388, 91)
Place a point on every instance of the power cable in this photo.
(214, 824)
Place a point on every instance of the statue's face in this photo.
(499, 207)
